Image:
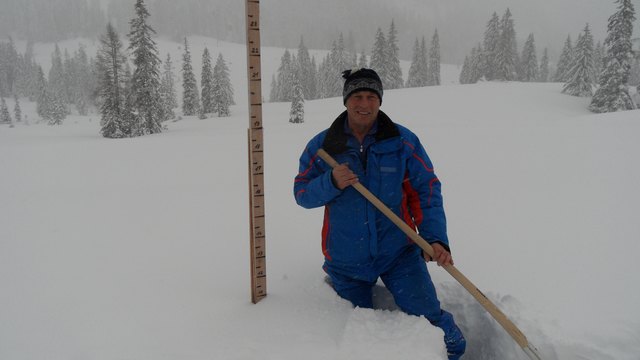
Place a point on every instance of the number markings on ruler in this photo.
(256, 154)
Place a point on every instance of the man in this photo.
(359, 243)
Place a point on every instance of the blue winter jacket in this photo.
(357, 239)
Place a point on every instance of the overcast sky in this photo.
(460, 23)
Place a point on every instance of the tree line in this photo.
(324, 80)
(132, 101)
(138, 104)
(601, 71)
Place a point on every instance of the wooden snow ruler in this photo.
(256, 155)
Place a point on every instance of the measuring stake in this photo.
(256, 155)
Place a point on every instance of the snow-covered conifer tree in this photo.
(222, 88)
(286, 73)
(378, 59)
(463, 78)
(543, 72)
(424, 63)
(305, 71)
(57, 111)
(393, 71)
(476, 67)
(598, 60)
(613, 94)
(273, 92)
(17, 111)
(167, 90)
(338, 62)
(529, 61)
(56, 86)
(491, 45)
(565, 61)
(362, 61)
(5, 116)
(434, 61)
(296, 114)
(634, 76)
(323, 78)
(41, 96)
(145, 81)
(110, 65)
(190, 96)
(581, 73)
(206, 83)
(413, 79)
(507, 52)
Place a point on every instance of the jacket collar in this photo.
(336, 140)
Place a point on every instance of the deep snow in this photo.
(138, 248)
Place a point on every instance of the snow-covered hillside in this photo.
(138, 248)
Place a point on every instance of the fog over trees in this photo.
(320, 22)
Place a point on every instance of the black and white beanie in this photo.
(362, 79)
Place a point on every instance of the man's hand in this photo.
(441, 255)
(343, 176)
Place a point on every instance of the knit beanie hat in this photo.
(363, 79)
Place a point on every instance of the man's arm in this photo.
(314, 186)
(426, 201)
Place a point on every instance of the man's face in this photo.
(362, 108)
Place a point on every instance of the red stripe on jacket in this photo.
(411, 204)
(325, 234)
(304, 173)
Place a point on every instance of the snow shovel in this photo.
(500, 317)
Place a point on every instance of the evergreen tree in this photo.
(41, 98)
(5, 117)
(325, 78)
(379, 56)
(543, 72)
(56, 87)
(190, 96)
(296, 114)
(634, 76)
(581, 73)
(598, 61)
(362, 61)
(491, 46)
(613, 95)
(82, 81)
(222, 88)
(145, 81)
(507, 52)
(565, 61)
(464, 72)
(338, 62)
(477, 65)
(393, 71)
(17, 111)
(9, 67)
(57, 111)
(434, 61)
(286, 73)
(114, 121)
(206, 83)
(167, 90)
(413, 79)
(529, 64)
(273, 92)
(306, 72)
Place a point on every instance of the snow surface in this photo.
(139, 248)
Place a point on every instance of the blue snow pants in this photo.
(410, 284)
